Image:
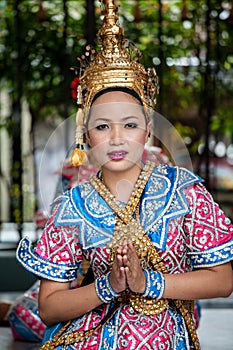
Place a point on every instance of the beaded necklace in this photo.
(128, 227)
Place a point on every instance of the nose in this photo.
(116, 137)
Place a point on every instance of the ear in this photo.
(148, 131)
(87, 137)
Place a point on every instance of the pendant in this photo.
(130, 232)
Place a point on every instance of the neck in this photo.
(121, 184)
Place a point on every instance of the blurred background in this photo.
(189, 43)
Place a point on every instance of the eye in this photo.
(131, 125)
(102, 126)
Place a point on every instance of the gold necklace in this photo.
(125, 226)
(128, 227)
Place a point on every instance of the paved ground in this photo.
(7, 343)
(215, 330)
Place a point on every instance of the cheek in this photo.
(93, 139)
(100, 140)
(139, 138)
(97, 142)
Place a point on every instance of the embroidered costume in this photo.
(178, 215)
(170, 217)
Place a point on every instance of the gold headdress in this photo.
(115, 64)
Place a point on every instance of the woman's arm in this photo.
(57, 302)
(205, 283)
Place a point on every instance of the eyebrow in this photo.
(109, 119)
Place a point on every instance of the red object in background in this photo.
(41, 218)
(74, 86)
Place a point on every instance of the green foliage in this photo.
(182, 46)
(40, 41)
(38, 51)
(223, 123)
(47, 44)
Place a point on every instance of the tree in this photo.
(188, 42)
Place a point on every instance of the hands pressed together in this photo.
(127, 274)
(127, 271)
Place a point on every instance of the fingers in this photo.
(130, 262)
(126, 270)
(118, 277)
(129, 255)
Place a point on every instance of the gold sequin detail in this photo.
(129, 228)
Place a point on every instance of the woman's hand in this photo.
(118, 276)
(127, 271)
(135, 277)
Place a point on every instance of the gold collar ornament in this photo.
(129, 228)
(115, 64)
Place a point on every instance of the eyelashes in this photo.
(102, 127)
(131, 125)
(105, 126)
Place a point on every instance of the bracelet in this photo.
(155, 284)
(104, 289)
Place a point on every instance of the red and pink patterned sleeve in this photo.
(209, 231)
(57, 255)
(59, 244)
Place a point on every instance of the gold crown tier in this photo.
(115, 64)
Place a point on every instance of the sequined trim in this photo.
(163, 200)
(82, 206)
(43, 268)
(212, 257)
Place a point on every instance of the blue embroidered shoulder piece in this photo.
(163, 199)
(82, 206)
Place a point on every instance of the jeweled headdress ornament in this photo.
(115, 64)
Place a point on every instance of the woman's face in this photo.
(117, 131)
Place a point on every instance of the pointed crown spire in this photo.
(115, 64)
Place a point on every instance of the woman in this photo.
(153, 236)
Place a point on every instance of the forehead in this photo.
(115, 96)
(116, 110)
(114, 105)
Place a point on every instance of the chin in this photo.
(122, 165)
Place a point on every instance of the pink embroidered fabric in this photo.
(194, 240)
(180, 217)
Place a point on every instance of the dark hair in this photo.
(122, 89)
